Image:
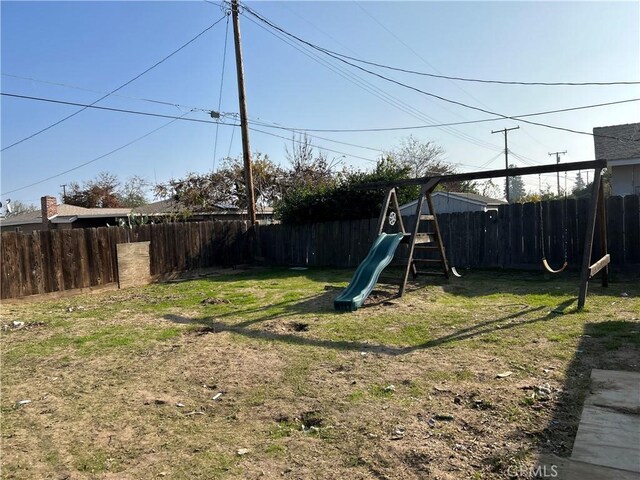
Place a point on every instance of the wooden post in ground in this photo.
(602, 220)
(585, 273)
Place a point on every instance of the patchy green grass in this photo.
(255, 375)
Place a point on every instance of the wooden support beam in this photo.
(602, 220)
(585, 273)
(409, 266)
(599, 265)
(396, 207)
(443, 257)
(511, 172)
(385, 206)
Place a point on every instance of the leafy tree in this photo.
(225, 186)
(426, 158)
(133, 192)
(105, 191)
(100, 192)
(343, 199)
(307, 168)
(18, 207)
(489, 189)
(585, 191)
(516, 188)
(422, 158)
(580, 185)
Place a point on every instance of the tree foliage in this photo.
(426, 158)
(225, 186)
(342, 199)
(17, 207)
(516, 188)
(105, 191)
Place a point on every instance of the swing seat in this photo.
(551, 270)
(455, 272)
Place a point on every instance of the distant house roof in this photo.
(169, 206)
(468, 197)
(627, 147)
(66, 214)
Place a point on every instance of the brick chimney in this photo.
(49, 209)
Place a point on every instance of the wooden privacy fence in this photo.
(509, 238)
(57, 260)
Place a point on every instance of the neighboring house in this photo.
(453, 202)
(622, 156)
(62, 217)
(170, 209)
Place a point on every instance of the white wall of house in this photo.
(625, 179)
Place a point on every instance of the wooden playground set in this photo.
(383, 249)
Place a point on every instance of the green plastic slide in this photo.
(368, 271)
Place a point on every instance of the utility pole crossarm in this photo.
(557, 154)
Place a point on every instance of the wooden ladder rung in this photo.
(424, 238)
(434, 273)
(427, 246)
(428, 260)
(427, 217)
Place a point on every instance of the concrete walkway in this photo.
(607, 445)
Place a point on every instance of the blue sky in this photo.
(100, 45)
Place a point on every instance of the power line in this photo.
(463, 79)
(467, 122)
(224, 60)
(423, 92)
(258, 122)
(119, 95)
(109, 109)
(116, 89)
(326, 130)
(195, 120)
(374, 90)
(97, 158)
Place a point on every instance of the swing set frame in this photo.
(596, 214)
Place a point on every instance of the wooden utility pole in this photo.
(506, 154)
(244, 127)
(557, 154)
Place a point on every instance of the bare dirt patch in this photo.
(277, 385)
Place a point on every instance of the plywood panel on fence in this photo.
(134, 265)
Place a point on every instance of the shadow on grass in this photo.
(214, 325)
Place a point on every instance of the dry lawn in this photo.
(254, 375)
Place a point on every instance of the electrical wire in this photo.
(376, 91)
(467, 122)
(28, 137)
(463, 79)
(109, 109)
(418, 90)
(224, 60)
(99, 157)
(119, 95)
(326, 130)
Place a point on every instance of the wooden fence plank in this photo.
(632, 229)
(615, 229)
